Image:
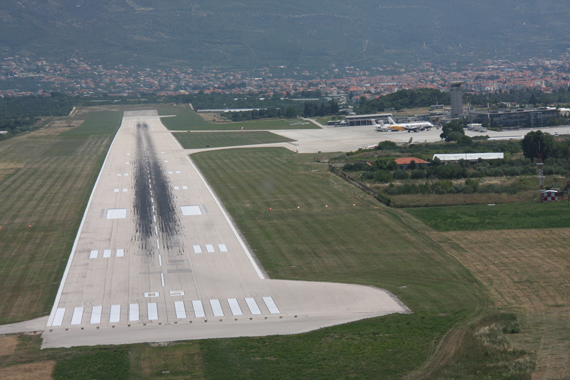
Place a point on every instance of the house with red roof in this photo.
(404, 162)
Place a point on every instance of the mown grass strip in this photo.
(49, 194)
(185, 119)
(188, 120)
(197, 140)
(508, 216)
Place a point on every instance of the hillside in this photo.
(255, 33)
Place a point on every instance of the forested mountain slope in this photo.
(257, 33)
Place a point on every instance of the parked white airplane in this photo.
(380, 127)
(410, 126)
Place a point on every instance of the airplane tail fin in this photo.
(392, 122)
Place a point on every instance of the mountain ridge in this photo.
(255, 33)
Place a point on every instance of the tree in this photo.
(535, 142)
(453, 130)
(412, 165)
(532, 99)
(290, 112)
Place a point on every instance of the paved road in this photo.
(157, 259)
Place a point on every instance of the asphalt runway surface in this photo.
(157, 258)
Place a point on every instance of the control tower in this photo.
(456, 100)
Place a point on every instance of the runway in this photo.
(157, 258)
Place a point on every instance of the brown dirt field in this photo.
(526, 271)
(35, 371)
(435, 200)
(523, 269)
(215, 118)
(8, 345)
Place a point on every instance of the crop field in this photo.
(43, 197)
(188, 120)
(495, 217)
(528, 272)
(197, 140)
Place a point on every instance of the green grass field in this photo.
(188, 120)
(498, 217)
(49, 192)
(185, 119)
(353, 240)
(197, 140)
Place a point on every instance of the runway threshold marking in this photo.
(152, 311)
(216, 308)
(271, 305)
(253, 308)
(134, 312)
(77, 316)
(96, 315)
(180, 310)
(198, 309)
(234, 306)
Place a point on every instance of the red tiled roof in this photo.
(408, 160)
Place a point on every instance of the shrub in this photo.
(382, 176)
(367, 176)
(418, 174)
(400, 174)
(451, 171)
(387, 145)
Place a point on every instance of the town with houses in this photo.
(21, 76)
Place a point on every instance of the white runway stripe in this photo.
(106, 253)
(115, 315)
(197, 249)
(216, 308)
(96, 314)
(210, 248)
(180, 310)
(198, 309)
(271, 305)
(58, 319)
(134, 312)
(222, 247)
(77, 316)
(252, 306)
(152, 311)
(93, 254)
(120, 252)
(234, 306)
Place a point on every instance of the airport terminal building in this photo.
(519, 118)
(356, 120)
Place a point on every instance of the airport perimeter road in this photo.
(157, 259)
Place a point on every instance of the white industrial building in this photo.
(454, 157)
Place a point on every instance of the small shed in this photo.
(404, 162)
(550, 195)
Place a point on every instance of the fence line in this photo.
(380, 197)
